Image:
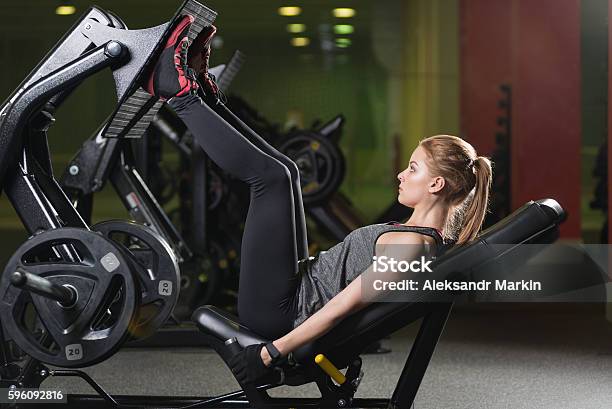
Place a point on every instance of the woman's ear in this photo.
(436, 184)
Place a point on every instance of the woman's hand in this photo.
(248, 366)
(265, 357)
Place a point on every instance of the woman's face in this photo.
(415, 181)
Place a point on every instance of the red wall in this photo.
(485, 64)
(535, 46)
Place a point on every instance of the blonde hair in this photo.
(468, 179)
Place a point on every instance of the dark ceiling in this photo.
(257, 19)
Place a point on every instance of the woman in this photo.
(293, 303)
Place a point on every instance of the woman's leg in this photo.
(255, 139)
(268, 272)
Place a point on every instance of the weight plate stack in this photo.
(156, 270)
(97, 278)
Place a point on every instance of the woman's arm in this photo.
(348, 301)
(343, 304)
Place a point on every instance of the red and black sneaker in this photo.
(199, 54)
(171, 76)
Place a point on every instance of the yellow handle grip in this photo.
(330, 369)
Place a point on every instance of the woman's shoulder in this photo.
(404, 237)
(399, 233)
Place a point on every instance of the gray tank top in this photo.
(327, 274)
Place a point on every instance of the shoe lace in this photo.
(190, 73)
(209, 79)
(209, 84)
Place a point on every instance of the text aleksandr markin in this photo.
(385, 264)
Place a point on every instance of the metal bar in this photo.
(42, 286)
(3, 348)
(34, 209)
(94, 402)
(420, 355)
(80, 374)
(142, 205)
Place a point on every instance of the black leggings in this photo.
(274, 237)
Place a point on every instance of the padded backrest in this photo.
(535, 222)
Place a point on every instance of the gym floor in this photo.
(489, 356)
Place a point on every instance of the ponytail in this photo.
(475, 205)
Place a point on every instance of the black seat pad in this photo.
(224, 325)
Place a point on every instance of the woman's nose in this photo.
(399, 176)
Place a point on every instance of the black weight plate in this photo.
(156, 268)
(81, 335)
(320, 162)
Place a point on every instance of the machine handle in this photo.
(330, 369)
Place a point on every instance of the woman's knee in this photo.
(294, 171)
(291, 166)
(277, 174)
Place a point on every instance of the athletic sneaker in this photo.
(171, 76)
(199, 54)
